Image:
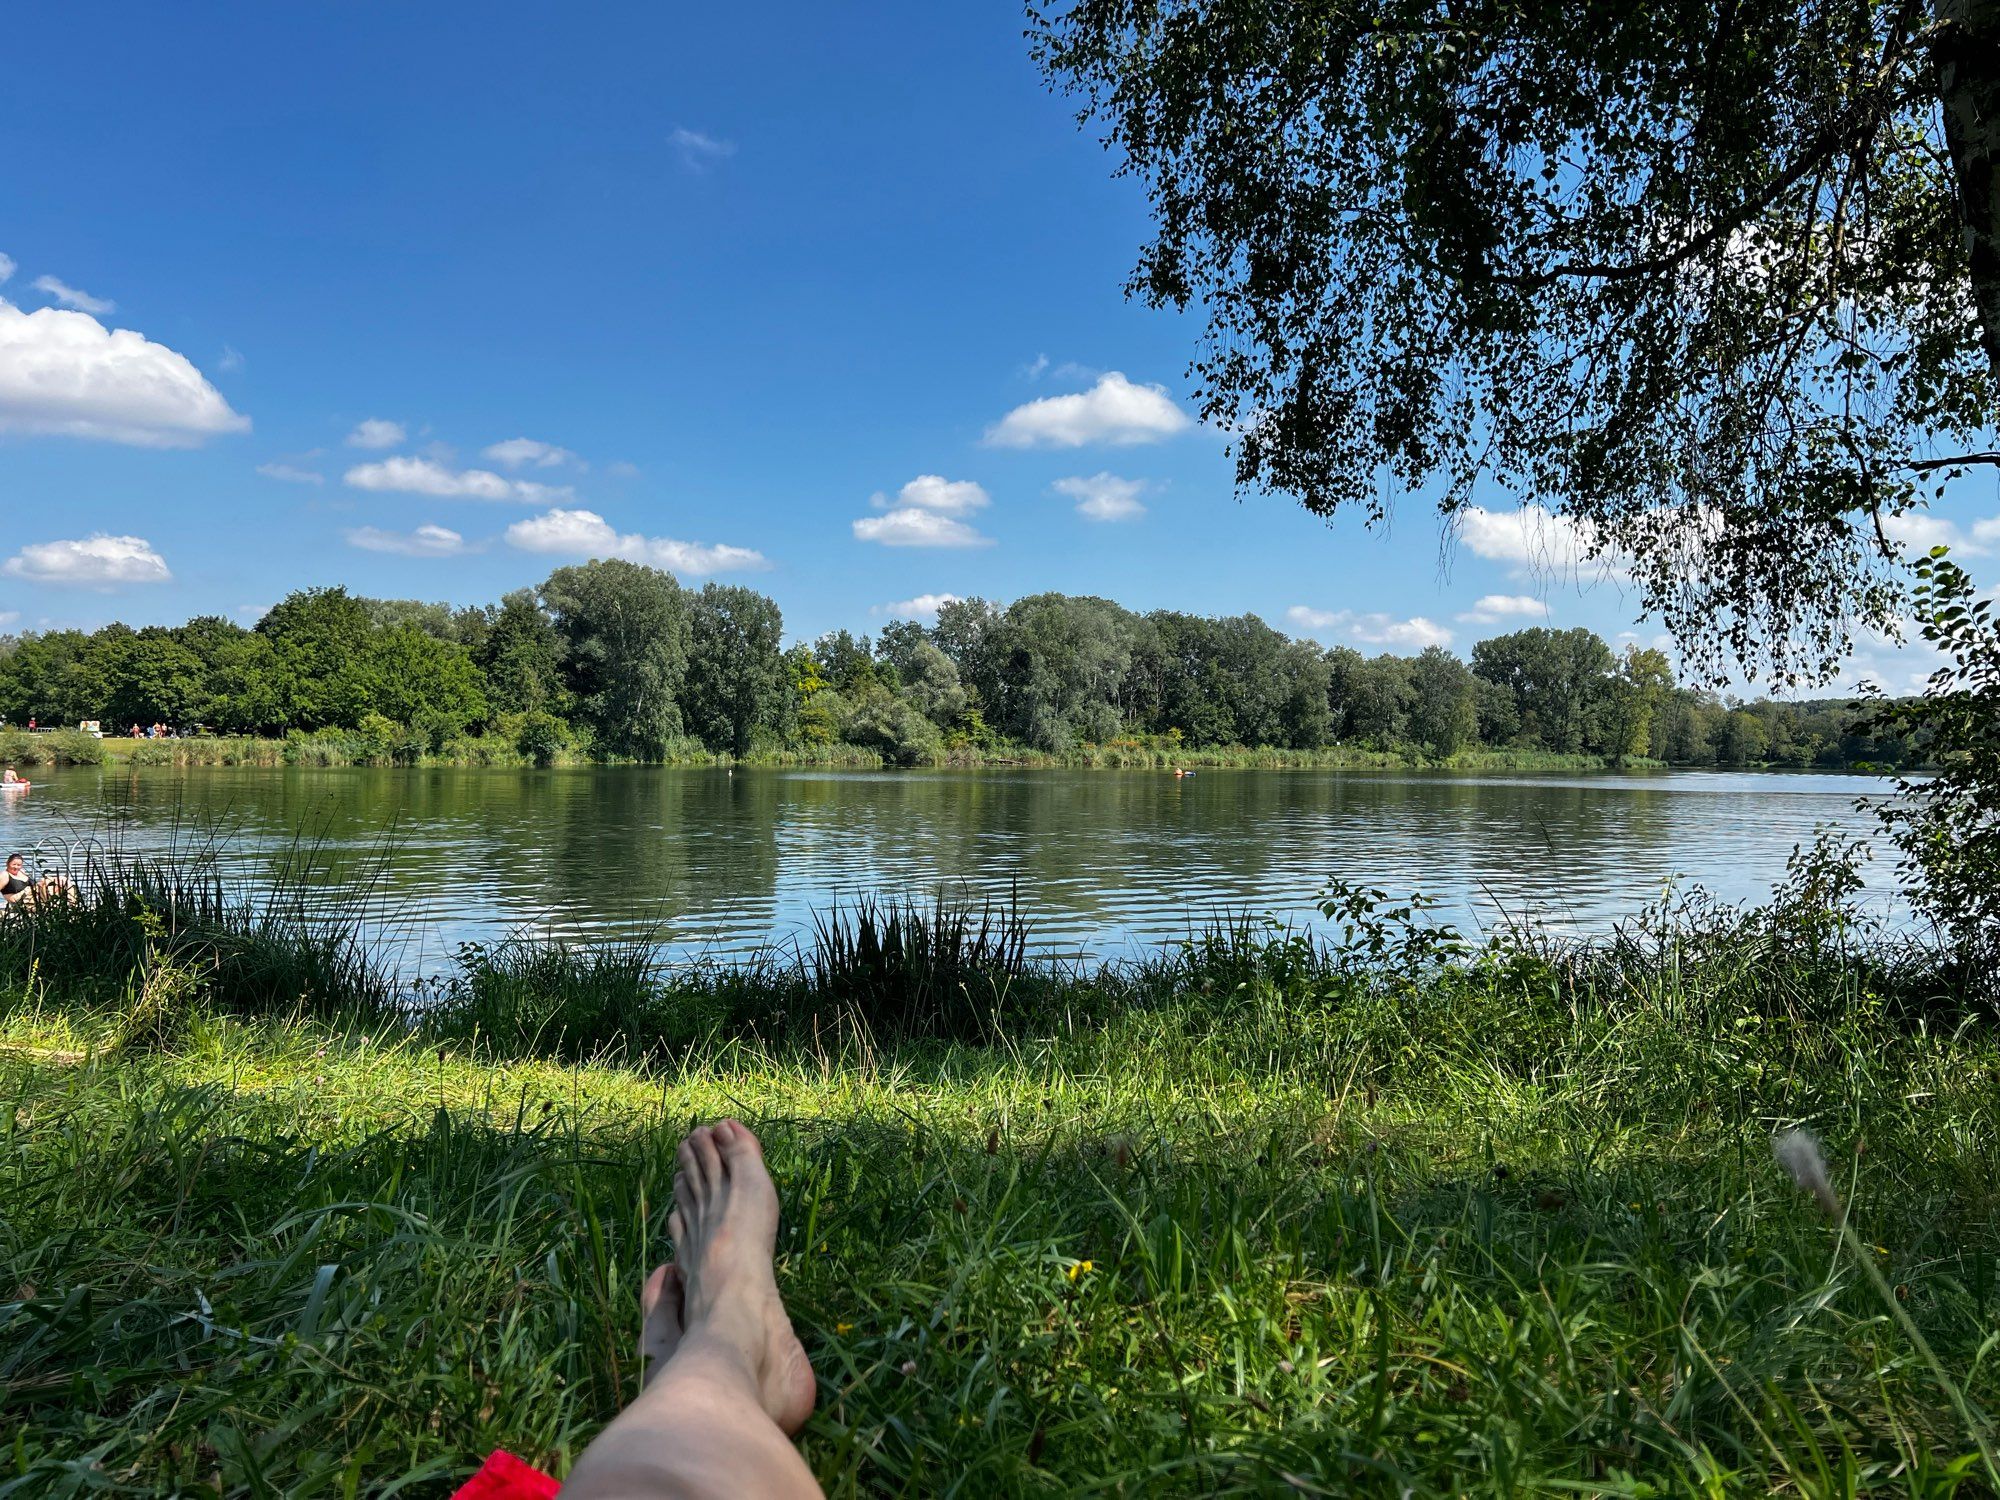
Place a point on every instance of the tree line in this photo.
(615, 660)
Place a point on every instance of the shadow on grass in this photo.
(199, 1293)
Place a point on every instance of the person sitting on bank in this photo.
(17, 888)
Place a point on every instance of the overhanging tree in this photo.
(1716, 280)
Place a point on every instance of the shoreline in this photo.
(336, 752)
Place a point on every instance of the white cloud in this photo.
(1534, 539)
(923, 607)
(1491, 609)
(1374, 629)
(71, 297)
(1112, 411)
(66, 373)
(230, 360)
(698, 150)
(915, 527)
(425, 541)
(291, 475)
(951, 497)
(377, 432)
(426, 476)
(97, 561)
(1104, 497)
(8, 265)
(522, 452)
(1919, 531)
(1033, 370)
(584, 533)
(622, 469)
(8, 616)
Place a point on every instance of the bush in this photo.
(60, 747)
(895, 731)
(541, 737)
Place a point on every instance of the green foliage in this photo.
(736, 680)
(62, 747)
(894, 730)
(541, 737)
(636, 668)
(626, 633)
(1444, 704)
(1713, 285)
(1947, 825)
(520, 657)
(1427, 1212)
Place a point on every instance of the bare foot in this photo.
(725, 1232)
(660, 1330)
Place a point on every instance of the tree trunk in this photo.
(1967, 56)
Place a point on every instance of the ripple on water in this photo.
(1100, 861)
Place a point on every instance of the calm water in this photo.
(1102, 860)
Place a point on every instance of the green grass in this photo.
(1256, 1216)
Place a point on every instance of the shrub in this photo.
(896, 731)
(541, 737)
(60, 747)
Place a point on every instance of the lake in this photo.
(1103, 861)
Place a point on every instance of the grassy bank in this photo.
(336, 749)
(1259, 1215)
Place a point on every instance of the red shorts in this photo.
(505, 1477)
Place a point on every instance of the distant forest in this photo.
(611, 660)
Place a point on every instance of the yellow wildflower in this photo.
(1082, 1268)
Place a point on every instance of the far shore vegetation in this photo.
(614, 662)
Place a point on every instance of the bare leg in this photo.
(727, 1382)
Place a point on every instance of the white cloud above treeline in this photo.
(377, 432)
(911, 527)
(1113, 411)
(1104, 497)
(923, 607)
(289, 474)
(1534, 540)
(1493, 609)
(66, 374)
(426, 476)
(521, 452)
(585, 534)
(96, 561)
(8, 265)
(1371, 629)
(925, 513)
(425, 541)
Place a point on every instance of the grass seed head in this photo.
(1799, 1154)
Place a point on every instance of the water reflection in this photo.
(724, 863)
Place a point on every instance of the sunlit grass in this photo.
(1248, 1220)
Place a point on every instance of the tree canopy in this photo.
(611, 660)
(1717, 282)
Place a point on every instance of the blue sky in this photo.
(769, 296)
